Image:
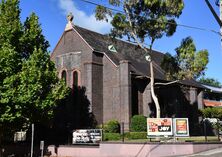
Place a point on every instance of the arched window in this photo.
(63, 76)
(75, 78)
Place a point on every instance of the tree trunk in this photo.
(155, 99)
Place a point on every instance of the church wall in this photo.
(71, 42)
(111, 91)
(97, 87)
(71, 53)
(125, 93)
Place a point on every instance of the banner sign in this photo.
(159, 127)
(181, 127)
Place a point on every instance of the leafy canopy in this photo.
(212, 112)
(29, 87)
(188, 63)
(210, 81)
(33, 37)
(141, 19)
(10, 24)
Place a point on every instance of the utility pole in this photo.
(217, 18)
(220, 5)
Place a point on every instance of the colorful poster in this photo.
(181, 127)
(159, 127)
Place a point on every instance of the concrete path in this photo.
(210, 153)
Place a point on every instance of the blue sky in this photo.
(52, 14)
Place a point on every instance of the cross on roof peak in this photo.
(69, 18)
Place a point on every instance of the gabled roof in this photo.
(212, 88)
(130, 52)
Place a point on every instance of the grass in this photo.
(181, 139)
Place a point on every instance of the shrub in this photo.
(111, 136)
(112, 126)
(136, 135)
(212, 112)
(138, 123)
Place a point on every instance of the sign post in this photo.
(42, 147)
(32, 142)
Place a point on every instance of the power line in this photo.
(97, 4)
(181, 25)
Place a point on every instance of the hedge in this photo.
(111, 136)
(112, 126)
(136, 135)
(138, 123)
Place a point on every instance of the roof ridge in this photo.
(117, 39)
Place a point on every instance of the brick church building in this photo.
(117, 78)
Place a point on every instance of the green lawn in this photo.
(182, 139)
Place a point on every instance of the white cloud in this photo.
(82, 19)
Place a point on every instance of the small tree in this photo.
(142, 21)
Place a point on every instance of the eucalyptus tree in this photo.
(143, 21)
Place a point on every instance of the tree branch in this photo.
(133, 33)
(168, 83)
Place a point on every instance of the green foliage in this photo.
(212, 112)
(210, 82)
(10, 25)
(138, 123)
(39, 88)
(29, 87)
(136, 135)
(170, 65)
(188, 63)
(191, 62)
(9, 61)
(112, 126)
(32, 37)
(111, 136)
(142, 19)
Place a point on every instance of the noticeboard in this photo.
(159, 127)
(181, 127)
(19, 136)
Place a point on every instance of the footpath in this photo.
(210, 153)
